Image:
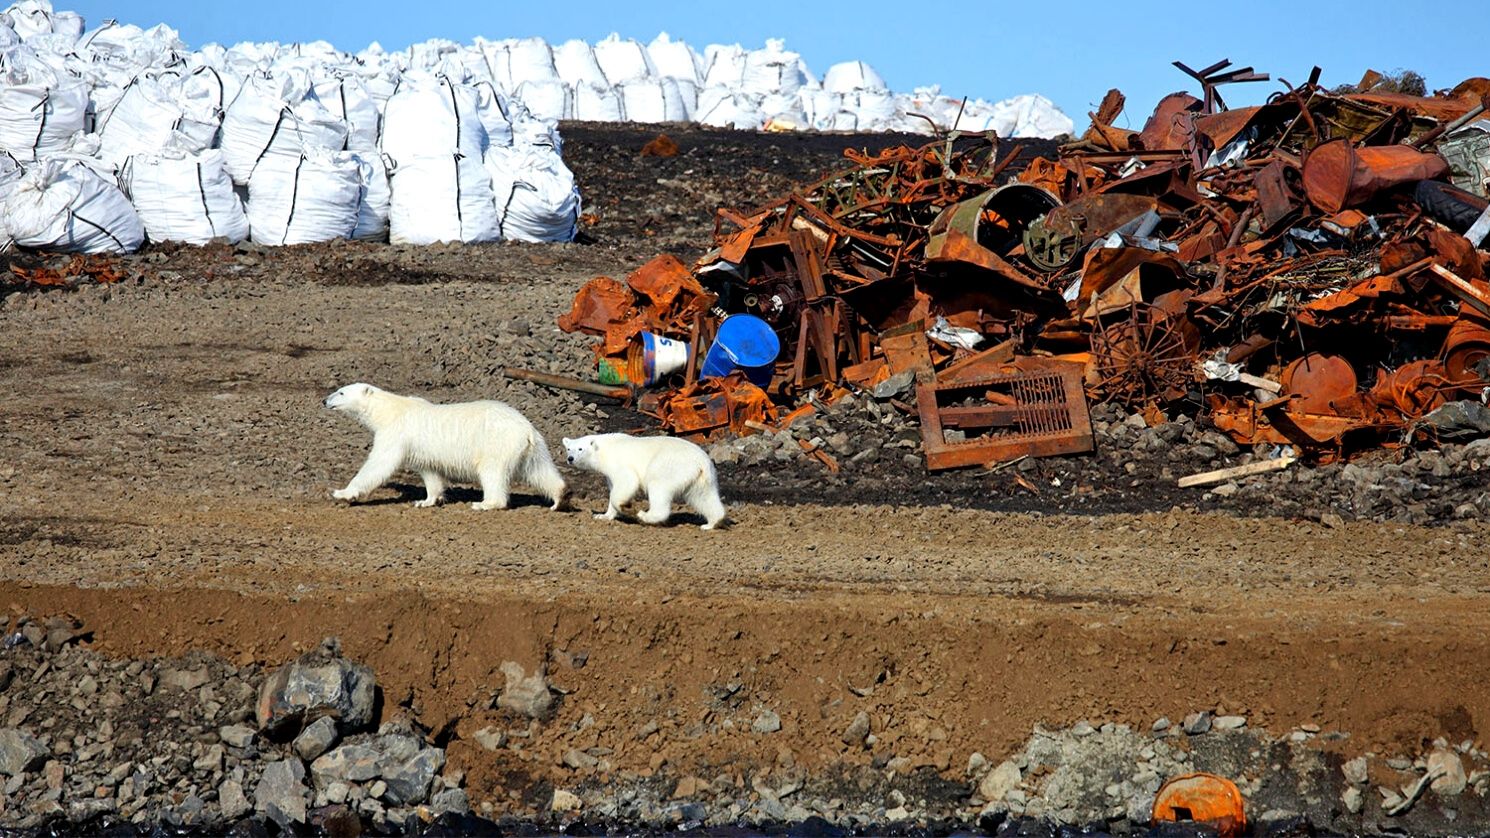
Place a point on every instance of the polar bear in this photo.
(483, 441)
(665, 466)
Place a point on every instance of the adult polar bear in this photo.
(484, 441)
(666, 467)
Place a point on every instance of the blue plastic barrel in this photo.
(744, 342)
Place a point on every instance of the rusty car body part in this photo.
(1036, 412)
(1205, 799)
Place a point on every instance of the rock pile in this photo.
(192, 743)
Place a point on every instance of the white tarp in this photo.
(277, 116)
(184, 196)
(311, 198)
(65, 206)
(442, 199)
(433, 116)
(536, 198)
(40, 108)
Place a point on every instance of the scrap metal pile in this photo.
(1303, 273)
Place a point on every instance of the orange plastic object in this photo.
(1202, 798)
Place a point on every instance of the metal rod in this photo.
(566, 383)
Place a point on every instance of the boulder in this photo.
(322, 683)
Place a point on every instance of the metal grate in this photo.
(1029, 413)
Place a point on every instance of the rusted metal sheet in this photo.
(1338, 174)
(1004, 417)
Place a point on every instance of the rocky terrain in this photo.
(876, 650)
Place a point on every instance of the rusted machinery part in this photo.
(1141, 355)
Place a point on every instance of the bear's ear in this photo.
(567, 441)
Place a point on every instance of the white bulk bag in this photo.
(819, 106)
(529, 130)
(652, 100)
(65, 206)
(674, 59)
(850, 76)
(8, 36)
(784, 109)
(687, 94)
(723, 108)
(277, 116)
(433, 116)
(598, 103)
(623, 60)
(546, 99)
(30, 18)
(1029, 115)
(442, 199)
(184, 196)
(40, 109)
(149, 113)
(310, 198)
(773, 70)
(516, 61)
(372, 206)
(496, 113)
(576, 64)
(537, 200)
(429, 54)
(349, 99)
(876, 110)
(724, 65)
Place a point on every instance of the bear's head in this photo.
(351, 397)
(579, 451)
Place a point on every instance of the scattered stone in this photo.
(1355, 771)
(1450, 768)
(1082, 728)
(450, 801)
(347, 764)
(525, 695)
(236, 736)
(490, 738)
(1230, 722)
(1332, 520)
(321, 683)
(314, 740)
(578, 760)
(857, 730)
(766, 722)
(1198, 723)
(1160, 725)
(280, 795)
(210, 761)
(20, 752)
(184, 680)
(996, 784)
(564, 801)
(409, 783)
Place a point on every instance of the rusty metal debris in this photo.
(1295, 273)
(100, 269)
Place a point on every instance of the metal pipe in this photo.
(1449, 128)
(565, 383)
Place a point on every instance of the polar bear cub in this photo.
(482, 441)
(665, 466)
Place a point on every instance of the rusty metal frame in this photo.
(1045, 412)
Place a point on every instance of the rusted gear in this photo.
(1140, 355)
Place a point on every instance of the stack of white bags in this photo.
(114, 135)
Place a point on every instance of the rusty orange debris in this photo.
(1203, 799)
(1313, 244)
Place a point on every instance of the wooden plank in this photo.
(1206, 478)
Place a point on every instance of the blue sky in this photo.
(1070, 51)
